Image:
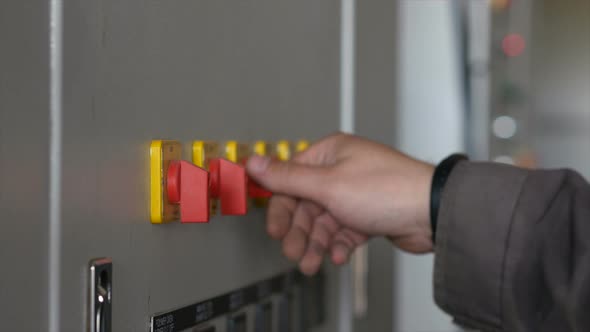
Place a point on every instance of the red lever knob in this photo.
(228, 184)
(188, 186)
(256, 191)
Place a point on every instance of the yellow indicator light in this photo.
(302, 146)
(283, 150)
(161, 153)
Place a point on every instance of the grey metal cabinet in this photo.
(132, 71)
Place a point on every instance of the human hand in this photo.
(342, 190)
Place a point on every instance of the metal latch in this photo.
(100, 295)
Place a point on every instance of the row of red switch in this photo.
(192, 188)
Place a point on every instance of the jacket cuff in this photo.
(473, 228)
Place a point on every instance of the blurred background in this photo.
(506, 81)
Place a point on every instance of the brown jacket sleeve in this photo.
(513, 249)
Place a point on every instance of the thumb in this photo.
(289, 178)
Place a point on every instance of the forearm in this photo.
(504, 235)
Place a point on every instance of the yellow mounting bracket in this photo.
(236, 152)
(283, 150)
(301, 146)
(203, 152)
(161, 154)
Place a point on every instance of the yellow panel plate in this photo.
(302, 145)
(261, 148)
(161, 153)
(236, 152)
(203, 152)
(283, 150)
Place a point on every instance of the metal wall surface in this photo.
(376, 94)
(141, 70)
(24, 164)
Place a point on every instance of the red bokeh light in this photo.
(513, 45)
(501, 5)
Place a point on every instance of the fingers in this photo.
(344, 243)
(289, 178)
(322, 153)
(296, 242)
(279, 214)
(323, 228)
(308, 233)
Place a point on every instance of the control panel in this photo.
(214, 181)
(215, 178)
(287, 302)
(119, 228)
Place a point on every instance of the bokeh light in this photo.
(500, 5)
(513, 45)
(504, 127)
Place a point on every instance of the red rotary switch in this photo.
(256, 191)
(188, 186)
(228, 183)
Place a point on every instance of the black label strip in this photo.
(194, 314)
